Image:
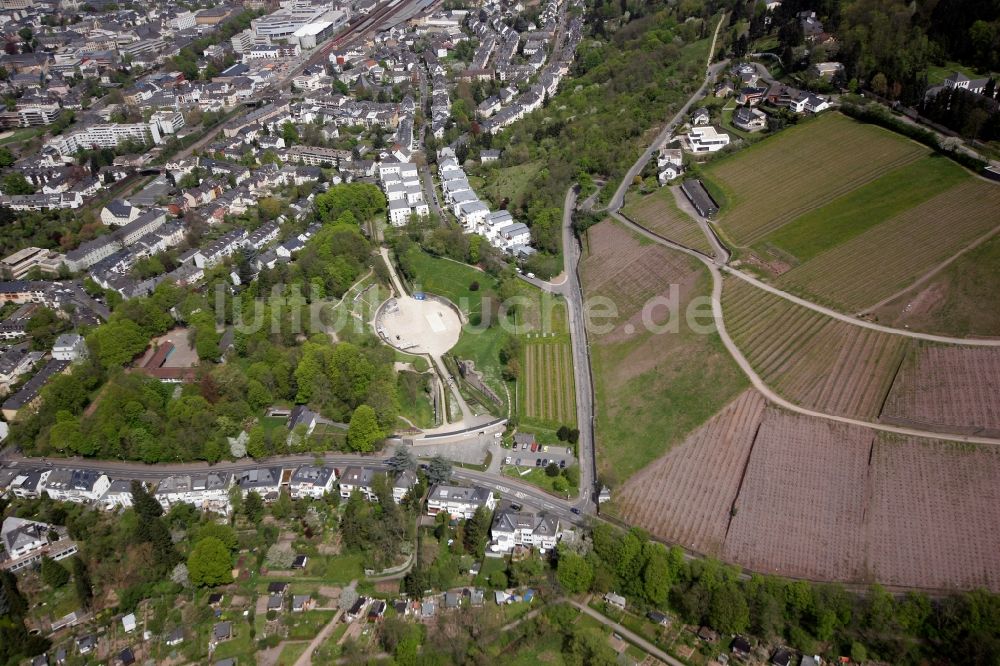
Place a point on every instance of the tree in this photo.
(728, 611)
(477, 530)
(439, 470)
(253, 507)
(552, 469)
(224, 533)
(179, 575)
(401, 459)
(15, 183)
(563, 433)
(574, 572)
(289, 133)
(81, 581)
(210, 563)
(54, 574)
(363, 431)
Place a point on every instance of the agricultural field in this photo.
(874, 266)
(962, 300)
(801, 506)
(770, 183)
(934, 511)
(659, 213)
(863, 208)
(809, 358)
(547, 391)
(652, 389)
(952, 388)
(686, 495)
(511, 183)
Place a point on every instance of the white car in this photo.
(506, 461)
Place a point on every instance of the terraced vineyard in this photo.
(776, 180)
(885, 259)
(802, 506)
(547, 391)
(687, 494)
(659, 213)
(948, 388)
(809, 358)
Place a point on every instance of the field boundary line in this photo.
(934, 271)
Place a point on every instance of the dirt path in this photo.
(931, 273)
(306, 658)
(759, 383)
(629, 635)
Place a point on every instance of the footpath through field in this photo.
(630, 636)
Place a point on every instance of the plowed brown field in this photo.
(950, 388)
(801, 510)
(689, 492)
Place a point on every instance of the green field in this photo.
(863, 208)
(651, 388)
(547, 391)
(801, 169)
(414, 399)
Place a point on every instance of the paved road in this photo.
(630, 636)
(573, 293)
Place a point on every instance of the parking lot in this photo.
(523, 456)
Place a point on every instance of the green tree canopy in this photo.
(210, 563)
(363, 431)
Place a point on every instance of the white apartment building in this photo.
(75, 485)
(312, 481)
(208, 490)
(105, 136)
(458, 501)
(69, 347)
(706, 139)
(523, 528)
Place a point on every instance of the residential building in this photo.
(706, 139)
(265, 481)
(105, 136)
(69, 347)
(27, 541)
(458, 501)
(360, 479)
(204, 490)
(312, 481)
(28, 396)
(749, 119)
(118, 495)
(75, 485)
(403, 484)
(523, 528)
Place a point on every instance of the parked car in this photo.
(506, 461)
(518, 462)
(575, 510)
(562, 464)
(534, 447)
(545, 462)
(538, 462)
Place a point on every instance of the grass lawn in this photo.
(451, 279)
(536, 476)
(290, 652)
(19, 135)
(419, 363)
(651, 389)
(329, 650)
(863, 208)
(936, 74)
(307, 624)
(512, 183)
(240, 646)
(545, 649)
(490, 566)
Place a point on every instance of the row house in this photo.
(75, 485)
(312, 481)
(206, 490)
(265, 481)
